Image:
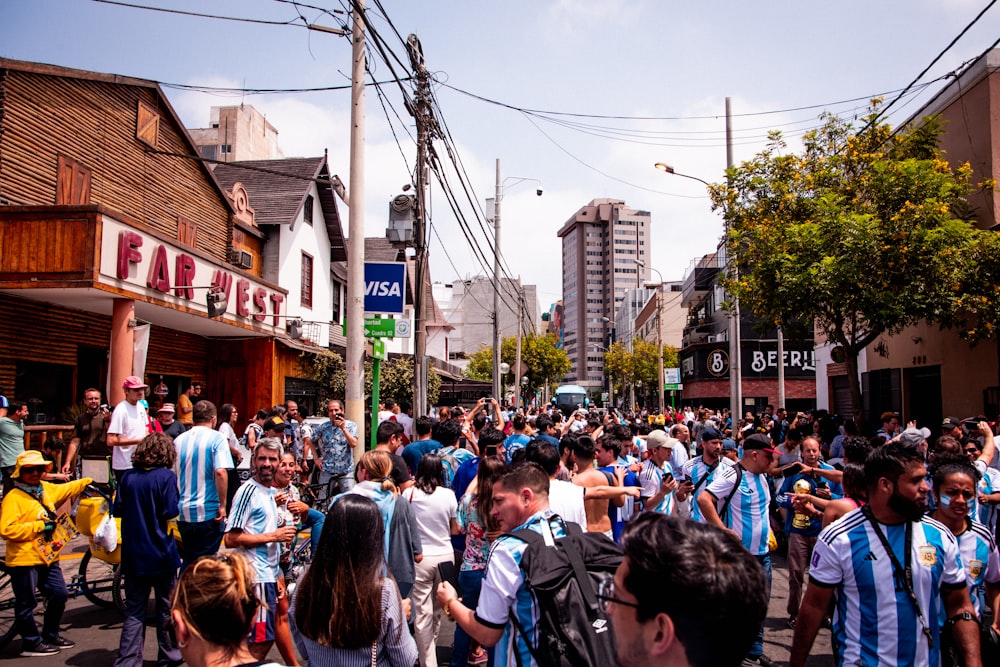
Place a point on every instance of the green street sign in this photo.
(673, 386)
(376, 327)
(378, 349)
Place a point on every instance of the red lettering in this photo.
(128, 252)
(159, 274)
(184, 275)
(223, 280)
(276, 301)
(260, 304)
(242, 297)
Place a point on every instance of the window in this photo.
(225, 149)
(187, 231)
(335, 305)
(72, 182)
(307, 280)
(307, 210)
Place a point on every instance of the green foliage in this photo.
(863, 233)
(328, 370)
(546, 363)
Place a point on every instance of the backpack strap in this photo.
(739, 480)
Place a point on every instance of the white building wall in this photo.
(298, 238)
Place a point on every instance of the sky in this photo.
(577, 97)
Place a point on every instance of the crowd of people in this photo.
(896, 531)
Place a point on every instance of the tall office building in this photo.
(605, 253)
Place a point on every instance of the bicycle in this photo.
(317, 496)
(99, 577)
(7, 626)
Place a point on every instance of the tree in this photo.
(545, 362)
(864, 233)
(327, 369)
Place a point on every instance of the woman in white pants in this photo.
(433, 506)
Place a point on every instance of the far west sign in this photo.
(144, 263)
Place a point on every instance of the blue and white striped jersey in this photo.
(747, 513)
(255, 513)
(979, 556)
(200, 452)
(696, 469)
(504, 593)
(874, 622)
(989, 484)
(650, 479)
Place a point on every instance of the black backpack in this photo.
(564, 578)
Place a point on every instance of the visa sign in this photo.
(384, 287)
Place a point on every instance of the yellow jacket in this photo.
(22, 519)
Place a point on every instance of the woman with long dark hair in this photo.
(347, 611)
(225, 425)
(433, 506)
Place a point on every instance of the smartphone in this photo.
(448, 573)
(792, 469)
(491, 450)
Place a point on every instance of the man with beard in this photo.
(893, 571)
(253, 528)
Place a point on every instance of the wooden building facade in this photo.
(108, 222)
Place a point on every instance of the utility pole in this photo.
(517, 354)
(659, 342)
(496, 286)
(421, 111)
(735, 349)
(354, 390)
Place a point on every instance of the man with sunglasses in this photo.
(27, 513)
(667, 608)
(738, 499)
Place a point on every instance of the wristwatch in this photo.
(964, 616)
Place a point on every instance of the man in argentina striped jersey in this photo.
(699, 471)
(891, 570)
(738, 499)
(658, 488)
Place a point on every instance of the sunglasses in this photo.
(31, 469)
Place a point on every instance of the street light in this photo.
(735, 354)
(500, 184)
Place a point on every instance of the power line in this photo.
(291, 22)
(938, 57)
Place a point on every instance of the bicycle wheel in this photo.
(118, 589)
(96, 580)
(7, 627)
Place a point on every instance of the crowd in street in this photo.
(675, 517)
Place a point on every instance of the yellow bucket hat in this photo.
(30, 458)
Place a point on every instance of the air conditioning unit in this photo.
(241, 258)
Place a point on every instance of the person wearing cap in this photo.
(699, 471)
(953, 427)
(742, 494)
(129, 425)
(203, 459)
(729, 450)
(658, 488)
(165, 415)
(11, 441)
(27, 513)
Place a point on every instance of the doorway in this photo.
(924, 402)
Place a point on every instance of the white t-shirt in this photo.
(566, 500)
(433, 514)
(407, 422)
(130, 422)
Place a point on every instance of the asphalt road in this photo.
(96, 631)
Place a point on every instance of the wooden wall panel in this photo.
(41, 245)
(176, 353)
(94, 123)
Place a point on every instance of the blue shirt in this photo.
(338, 457)
(747, 514)
(514, 442)
(413, 452)
(145, 501)
(799, 523)
(255, 513)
